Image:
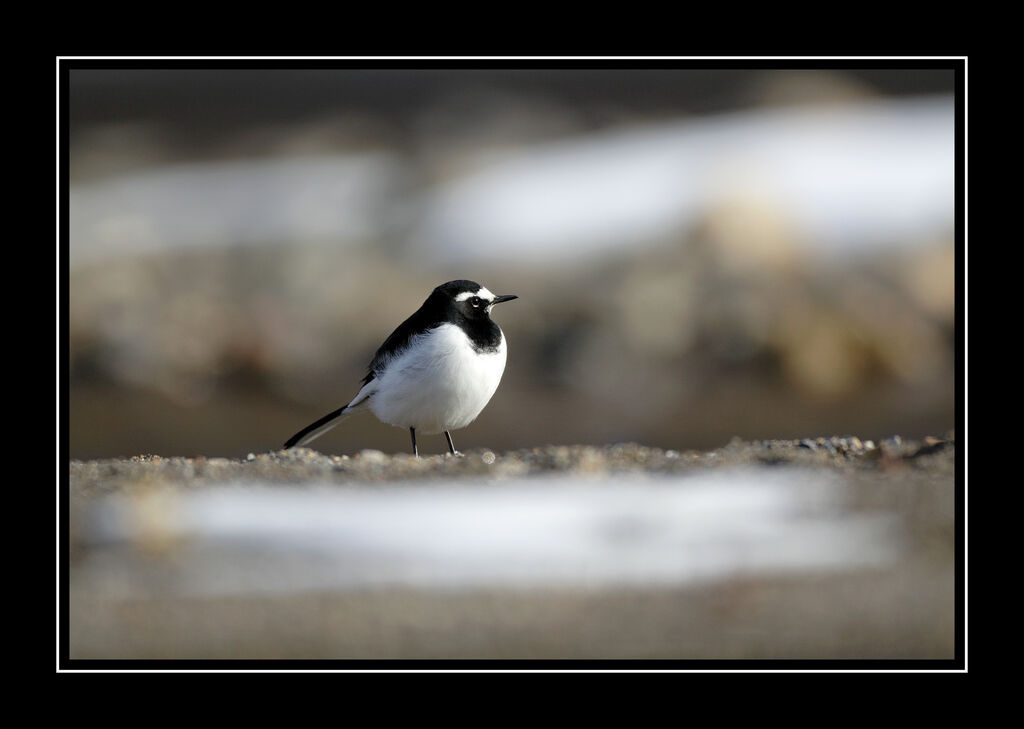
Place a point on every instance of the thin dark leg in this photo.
(451, 446)
(415, 450)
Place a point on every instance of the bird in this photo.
(436, 372)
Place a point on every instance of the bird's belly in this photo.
(441, 386)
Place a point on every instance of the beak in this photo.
(506, 297)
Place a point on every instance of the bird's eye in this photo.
(475, 301)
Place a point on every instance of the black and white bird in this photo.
(436, 371)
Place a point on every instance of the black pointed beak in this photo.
(506, 297)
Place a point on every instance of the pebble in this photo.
(369, 455)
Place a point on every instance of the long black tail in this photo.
(315, 430)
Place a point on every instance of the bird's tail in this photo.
(314, 430)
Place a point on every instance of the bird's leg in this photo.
(451, 446)
(415, 451)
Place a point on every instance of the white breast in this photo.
(439, 383)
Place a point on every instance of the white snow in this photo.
(850, 178)
(536, 532)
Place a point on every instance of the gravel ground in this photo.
(906, 610)
(304, 464)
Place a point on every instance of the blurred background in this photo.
(699, 254)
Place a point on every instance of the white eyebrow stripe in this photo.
(483, 293)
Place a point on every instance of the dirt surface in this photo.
(300, 465)
(905, 610)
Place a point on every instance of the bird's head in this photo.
(470, 298)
